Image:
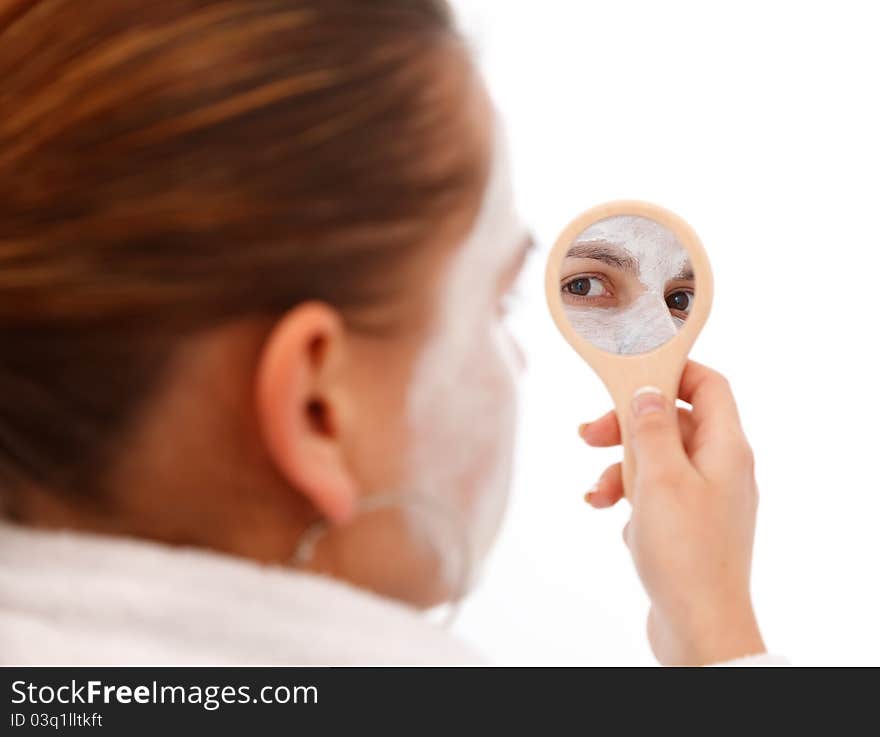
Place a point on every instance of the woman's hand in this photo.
(694, 503)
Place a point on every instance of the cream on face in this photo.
(462, 402)
(626, 284)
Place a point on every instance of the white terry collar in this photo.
(75, 598)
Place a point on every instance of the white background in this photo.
(758, 122)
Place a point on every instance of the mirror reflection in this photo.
(627, 284)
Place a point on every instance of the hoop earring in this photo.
(426, 506)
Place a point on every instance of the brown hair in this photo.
(166, 166)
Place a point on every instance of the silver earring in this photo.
(429, 507)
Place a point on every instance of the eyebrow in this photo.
(686, 273)
(606, 253)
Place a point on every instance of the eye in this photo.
(680, 301)
(585, 286)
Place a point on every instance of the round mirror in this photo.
(627, 284)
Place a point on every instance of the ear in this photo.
(302, 407)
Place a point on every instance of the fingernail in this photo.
(648, 399)
(591, 492)
(582, 428)
(588, 497)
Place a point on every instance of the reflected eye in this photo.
(680, 301)
(585, 286)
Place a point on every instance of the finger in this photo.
(602, 433)
(608, 489)
(657, 442)
(626, 534)
(605, 432)
(709, 393)
(686, 425)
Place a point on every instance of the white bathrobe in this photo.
(79, 599)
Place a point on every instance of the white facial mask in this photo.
(462, 404)
(646, 323)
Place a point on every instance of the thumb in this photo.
(656, 436)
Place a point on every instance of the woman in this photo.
(255, 392)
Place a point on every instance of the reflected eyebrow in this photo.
(605, 252)
(686, 273)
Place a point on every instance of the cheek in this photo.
(648, 325)
(643, 326)
(381, 381)
(601, 327)
(464, 416)
(472, 402)
(486, 437)
(489, 384)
